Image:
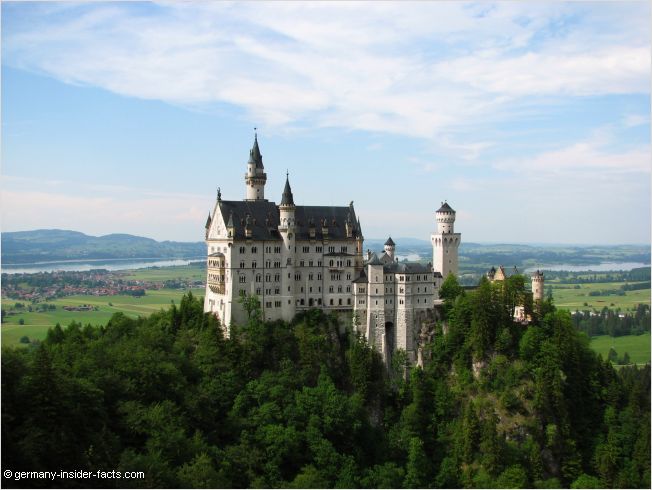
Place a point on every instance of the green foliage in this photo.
(308, 405)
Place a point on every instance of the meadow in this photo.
(566, 297)
(637, 346)
(36, 324)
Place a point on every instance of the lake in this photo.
(605, 266)
(87, 265)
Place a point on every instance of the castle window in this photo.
(306, 250)
(331, 289)
(277, 250)
(253, 264)
(319, 276)
(339, 301)
(258, 291)
(258, 278)
(301, 263)
(242, 250)
(319, 301)
(348, 263)
(348, 289)
(318, 249)
(242, 265)
(254, 250)
(331, 263)
(268, 264)
(331, 250)
(310, 277)
(319, 263)
(339, 289)
(268, 278)
(268, 304)
(348, 276)
(277, 291)
(348, 301)
(331, 301)
(344, 249)
(310, 263)
(303, 302)
(302, 289)
(242, 279)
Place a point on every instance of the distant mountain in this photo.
(52, 245)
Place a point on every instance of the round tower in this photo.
(537, 286)
(287, 229)
(445, 217)
(390, 248)
(445, 242)
(255, 177)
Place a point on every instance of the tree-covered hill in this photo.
(307, 404)
(51, 245)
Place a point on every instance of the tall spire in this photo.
(254, 153)
(287, 199)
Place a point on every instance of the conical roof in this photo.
(254, 154)
(390, 242)
(445, 208)
(287, 199)
(208, 221)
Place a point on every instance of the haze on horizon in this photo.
(532, 120)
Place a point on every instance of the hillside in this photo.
(307, 404)
(51, 245)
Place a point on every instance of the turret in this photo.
(287, 231)
(445, 217)
(255, 177)
(390, 248)
(445, 242)
(537, 287)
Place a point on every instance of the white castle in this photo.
(298, 257)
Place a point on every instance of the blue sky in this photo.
(531, 119)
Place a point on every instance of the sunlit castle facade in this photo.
(298, 257)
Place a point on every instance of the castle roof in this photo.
(208, 221)
(287, 199)
(406, 268)
(254, 154)
(445, 208)
(361, 278)
(374, 260)
(264, 220)
(390, 242)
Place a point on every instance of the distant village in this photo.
(46, 286)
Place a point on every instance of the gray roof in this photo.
(264, 220)
(334, 217)
(445, 208)
(287, 198)
(254, 154)
(362, 277)
(406, 268)
(208, 221)
(390, 242)
(374, 260)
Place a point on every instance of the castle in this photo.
(298, 257)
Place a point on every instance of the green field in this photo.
(574, 299)
(37, 324)
(637, 346)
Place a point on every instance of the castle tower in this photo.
(390, 248)
(537, 287)
(375, 329)
(287, 229)
(445, 242)
(255, 177)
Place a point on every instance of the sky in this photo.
(531, 119)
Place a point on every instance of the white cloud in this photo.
(98, 209)
(413, 69)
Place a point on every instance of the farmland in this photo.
(36, 324)
(574, 297)
(637, 346)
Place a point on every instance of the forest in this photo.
(308, 404)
